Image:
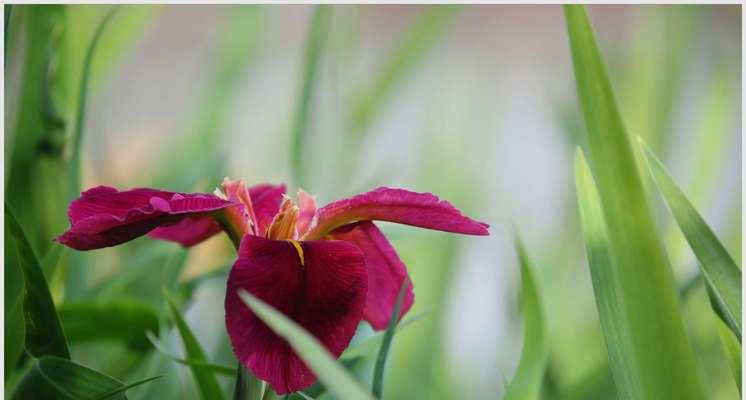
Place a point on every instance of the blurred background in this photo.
(476, 104)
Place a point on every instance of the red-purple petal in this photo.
(326, 296)
(187, 232)
(423, 210)
(104, 216)
(386, 272)
(266, 200)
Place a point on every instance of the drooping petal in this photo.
(307, 206)
(424, 210)
(266, 200)
(322, 287)
(386, 272)
(104, 216)
(187, 232)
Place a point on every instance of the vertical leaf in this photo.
(527, 382)
(205, 379)
(647, 295)
(248, 387)
(317, 36)
(387, 339)
(308, 348)
(44, 335)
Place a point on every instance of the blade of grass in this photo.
(647, 295)
(317, 37)
(365, 346)
(217, 368)
(732, 349)
(248, 387)
(718, 268)
(206, 383)
(527, 382)
(126, 387)
(44, 334)
(332, 375)
(388, 337)
(121, 319)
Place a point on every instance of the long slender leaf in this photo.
(44, 335)
(217, 368)
(721, 273)
(527, 382)
(732, 349)
(308, 348)
(54, 378)
(206, 382)
(121, 319)
(248, 387)
(386, 344)
(646, 294)
(365, 347)
(317, 36)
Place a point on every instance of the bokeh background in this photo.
(476, 104)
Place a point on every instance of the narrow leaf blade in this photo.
(718, 268)
(387, 339)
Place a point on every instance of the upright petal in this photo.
(321, 285)
(187, 232)
(307, 205)
(386, 272)
(104, 216)
(266, 200)
(424, 210)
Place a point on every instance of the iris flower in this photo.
(327, 268)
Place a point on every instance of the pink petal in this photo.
(104, 216)
(424, 210)
(326, 296)
(266, 200)
(386, 272)
(187, 232)
(307, 206)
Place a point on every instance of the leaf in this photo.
(527, 382)
(330, 373)
(386, 344)
(721, 273)
(122, 319)
(205, 379)
(317, 37)
(364, 347)
(248, 387)
(44, 335)
(220, 369)
(54, 378)
(732, 348)
(654, 335)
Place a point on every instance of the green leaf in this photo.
(388, 337)
(206, 381)
(317, 37)
(54, 378)
(644, 284)
(732, 348)
(721, 273)
(44, 335)
(365, 347)
(219, 369)
(332, 375)
(527, 382)
(121, 319)
(248, 387)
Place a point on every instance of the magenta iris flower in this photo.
(326, 268)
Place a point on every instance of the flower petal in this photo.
(266, 200)
(307, 206)
(325, 293)
(386, 272)
(187, 232)
(424, 210)
(104, 216)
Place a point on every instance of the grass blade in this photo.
(205, 379)
(721, 273)
(527, 382)
(126, 387)
(646, 294)
(316, 39)
(248, 387)
(217, 368)
(387, 338)
(364, 347)
(732, 348)
(44, 334)
(332, 375)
